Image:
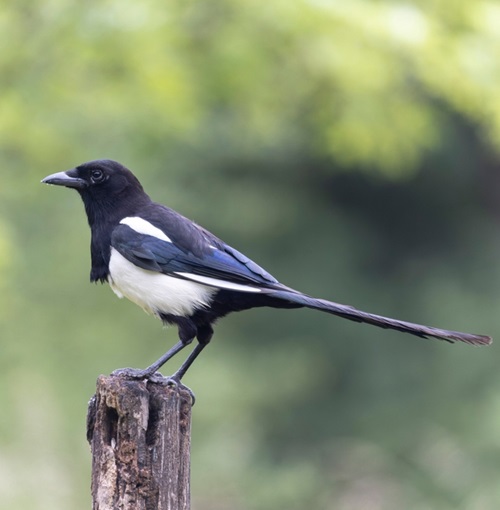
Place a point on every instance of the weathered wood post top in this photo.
(139, 433)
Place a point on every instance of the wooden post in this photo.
(139, 433)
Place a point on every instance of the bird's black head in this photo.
(100, 177)
(107, 188)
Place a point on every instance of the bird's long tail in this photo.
(351, 313)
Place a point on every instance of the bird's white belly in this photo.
(154, 292)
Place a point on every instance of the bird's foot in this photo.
(155, 377)
(175, 382)
(135, 373)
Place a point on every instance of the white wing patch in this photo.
(156, 292)
(142, 226)
(221, 284)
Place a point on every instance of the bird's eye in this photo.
(97, 176)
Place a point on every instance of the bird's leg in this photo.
(175, 379)
(204, 335)
(177, 376)
(187, 332)
(136, 373)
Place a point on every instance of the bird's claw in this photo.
(134, 373)
(155, 377)
(175, 383)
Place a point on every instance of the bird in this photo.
(183, 274)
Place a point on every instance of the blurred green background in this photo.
(350, 147)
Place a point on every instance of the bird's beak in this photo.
(65, 179)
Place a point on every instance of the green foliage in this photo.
(349, 147)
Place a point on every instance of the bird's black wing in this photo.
(209, 261)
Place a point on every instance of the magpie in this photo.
(183, 274)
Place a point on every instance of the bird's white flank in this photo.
(142, 226)
(156, 292)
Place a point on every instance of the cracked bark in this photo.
(139, 433)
